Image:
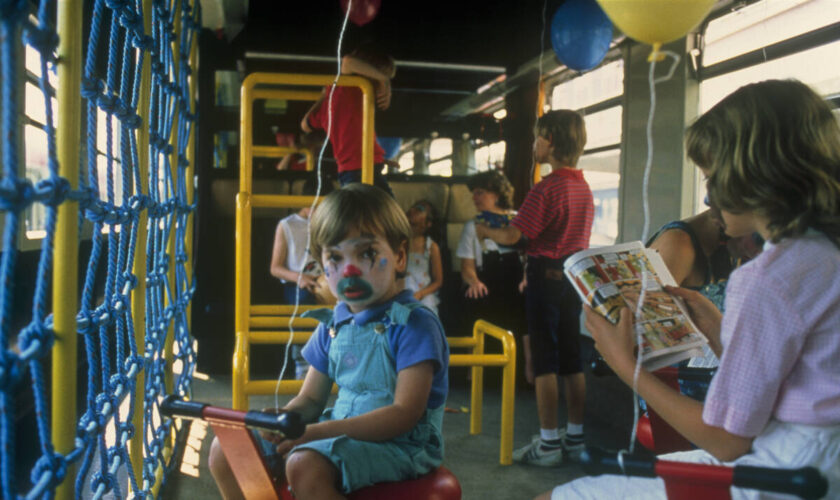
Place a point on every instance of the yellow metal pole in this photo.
(508, 391)
(367, 136)
(65, 275)
(138, 296)
(190, 173)
(243, 250)
(540, 112)
(477, 392)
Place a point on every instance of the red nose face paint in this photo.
(351, 271)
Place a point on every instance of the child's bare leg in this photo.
(312, 476)
(223, 474)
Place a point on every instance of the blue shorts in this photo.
(553, 311)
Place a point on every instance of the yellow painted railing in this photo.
(478, 360)
(248, 316)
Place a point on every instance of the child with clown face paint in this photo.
(386, 352)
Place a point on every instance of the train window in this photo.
(35, 158)
(227, 88)
(34, 136)
(590, 88)
(601, 172)
(597, 95)
(764, 23)
(225, 144)
(440, 157)
(603, 128)
(758, 26)
(406, 161)
(490, 156)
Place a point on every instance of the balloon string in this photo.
(312, 205)
(652, 81)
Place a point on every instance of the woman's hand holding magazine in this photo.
(703, 313)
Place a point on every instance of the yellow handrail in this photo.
(66, 256)
(253, 88)
(478, 360)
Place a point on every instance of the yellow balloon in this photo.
(656, 21)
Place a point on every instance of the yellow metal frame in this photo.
(478, 360)
(248, 316)
(66, 257)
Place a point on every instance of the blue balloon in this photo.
(581, 34)
(391, 145)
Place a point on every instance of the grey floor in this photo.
(474, 459)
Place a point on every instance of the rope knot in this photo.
(53, 190)
(35, 340)
(117, 384)
(43, 39)
(15, 194)
(52, 463)
(109, 103)
(85, 323)
(91, 88)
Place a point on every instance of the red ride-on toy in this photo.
(251, 471)
(690, 481)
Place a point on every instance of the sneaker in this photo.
(535, 454)
(573, 451)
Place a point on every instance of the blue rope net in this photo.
(112, 195)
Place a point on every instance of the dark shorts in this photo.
(351, 176)
(503, 305)
(553, 311)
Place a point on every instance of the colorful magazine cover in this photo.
(609, 278)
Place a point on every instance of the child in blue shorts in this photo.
(385, 351)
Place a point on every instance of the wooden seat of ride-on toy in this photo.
(691, 481)
(252, 473)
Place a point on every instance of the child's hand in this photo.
(523, 284)
(383, 94)
(308, 283)
(312, 433)
(703, 312)
(477, 290)
(616, 343)
(418, 295)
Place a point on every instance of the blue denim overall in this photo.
(363, 366)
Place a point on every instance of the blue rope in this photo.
(105, 324)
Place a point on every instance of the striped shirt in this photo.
(781, 340)
(556, 215)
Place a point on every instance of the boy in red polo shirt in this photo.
(345, 126)
(556, 220)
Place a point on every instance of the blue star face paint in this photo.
(383, 262)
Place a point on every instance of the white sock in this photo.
(574, 429)
(549, 434)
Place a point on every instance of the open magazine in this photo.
(609, 278)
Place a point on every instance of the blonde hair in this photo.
(772, 148)
(566, 131)
(362, 207)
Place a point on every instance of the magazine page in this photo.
(610, 278)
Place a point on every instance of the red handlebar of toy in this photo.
(685, 480)
(286, 422)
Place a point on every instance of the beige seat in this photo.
(461, 210)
